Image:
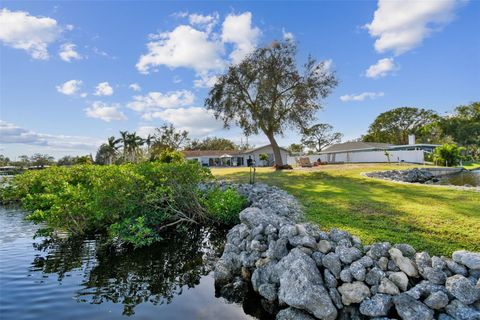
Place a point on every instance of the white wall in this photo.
(413, 156)
(268, 150)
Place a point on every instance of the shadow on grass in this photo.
(433, 219)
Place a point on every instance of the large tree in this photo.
(464, 127)
(212, 143)
(168, 138)
(267, 93)
(395, 125)
(320, 136)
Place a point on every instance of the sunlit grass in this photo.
(436, 219)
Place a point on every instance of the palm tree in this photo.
(112, 148)
(134, 143)
(124, 140)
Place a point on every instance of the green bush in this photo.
(224, 205)
(132, 202)
(170, 156)
(448, 155)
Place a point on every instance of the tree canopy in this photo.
(212, 143)
(320, 136)
(267, 93)
(395, 125)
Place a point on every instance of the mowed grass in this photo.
(437, 219)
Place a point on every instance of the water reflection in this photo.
(155, 274)
(463, 178)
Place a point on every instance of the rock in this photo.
(222, 274)
(264, 275)
(388, 287)
(374, 276)
(234, 291)
(406, 249)
(410, 309)
(443, 316)
(423, 260)
(329, 278)
(405, 264)
(317, 257)
(400, 279)
(337, 235)
(301, 285)
(366, 261)
(287, 231)
(268, 291)
(277, 249)
(354, 292)
(258, 246)
(467, 258)
(379, 250)
(438, 263)
(424, 289)
(345, 275)
(392, 266)
(435, 276)
(331, 261)
(358, 271)
(293, 314)
(455, 267)
(378, 305)
(303, 241)
(324, 246)
(460, 311)
(348, 254)
(382, 263)
(437, 300)
(336, 298)
(462, 289)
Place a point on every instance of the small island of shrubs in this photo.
(131, 203)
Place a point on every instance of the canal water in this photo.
(82, 279)
(462, 178)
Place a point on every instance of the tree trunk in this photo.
(276, 151)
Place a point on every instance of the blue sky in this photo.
(74, 73)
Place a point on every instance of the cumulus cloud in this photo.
(103, 89)
(13, 134)
(197, 121)
(206, 22)
(157, 100)
(20, 30)
(185, 47)
(205, 81)
(70, 87)
(105, 112)
(67, 52)
(361, 96)
(381, 68)
(237, 29)
(401, 25)
(135, 87)
(144, 131)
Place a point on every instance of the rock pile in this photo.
(304, 273)
(411, 175)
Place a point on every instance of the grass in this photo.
(439, 220)
(472, 165)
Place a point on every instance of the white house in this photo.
(234, 158)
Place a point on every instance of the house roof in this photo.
(255, 149)
(357, 145)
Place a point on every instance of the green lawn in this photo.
(472, 165)
(439, 220)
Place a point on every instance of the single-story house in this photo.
(359, 151)
(234, 158)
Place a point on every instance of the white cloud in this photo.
(237, 29)
(183, 47)
(70, 88)
(361, 96)
(197, 121)
(67, 52)
(401, 25)
(20, 30)
(144, 131)
(157, 100)
(135, 87)
(205, 81)
(12, 134)
(206, 22)
(288, 36)
(103, 89)
(381, 68)
(105, 112)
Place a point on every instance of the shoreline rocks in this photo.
(411, 175)
(301, 272)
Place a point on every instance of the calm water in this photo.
(462, 178)
(74, 279)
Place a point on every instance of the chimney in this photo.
(411, 139)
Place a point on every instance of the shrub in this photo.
(170, 156)
(448, 154)
(131, 202)
(224, 205)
